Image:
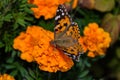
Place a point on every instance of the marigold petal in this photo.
(6, 77)
(54, 61)
(27, 57)
(91, 54)
(21, 42)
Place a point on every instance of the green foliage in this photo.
(13, 19)
(15, 16)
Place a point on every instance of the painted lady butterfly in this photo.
(66, 34)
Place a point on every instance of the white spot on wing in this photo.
(73, 22)
(60, 9)
(57, 10)
(57, 17)
(63, 14)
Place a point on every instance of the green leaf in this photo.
(87, 78)
(29, 18)
(83, 74)
(32, 74)
(2, 44)
(8, 47)
(21, 21)
(15, 26)
(14, 72)
(1, 23)
(10, 60)
(13, 54)
(87, 63)
(39, 78)
(8, 17)
(28, 10)
(29, 78)
(23, 71)
(10, 66)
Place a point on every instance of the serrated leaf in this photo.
(21, 22)
(8, 17)
(28, 10)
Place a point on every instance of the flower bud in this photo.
(110, 24)
(104, 5)
(87, 3)
(68, 6)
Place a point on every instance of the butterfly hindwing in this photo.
(74, 33)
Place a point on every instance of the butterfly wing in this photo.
(62, 21)
(74, 33)
(66, 34)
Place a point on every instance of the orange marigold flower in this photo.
(6, 77)
(35, 46)
(35, 40)
(46, 8)
(95, 40)
(91, 54)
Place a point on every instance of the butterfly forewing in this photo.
(62, 21)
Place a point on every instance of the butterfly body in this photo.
(66, 34)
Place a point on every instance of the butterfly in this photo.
(66, 34)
